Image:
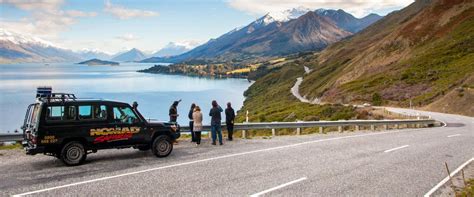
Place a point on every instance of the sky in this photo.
(117, 25)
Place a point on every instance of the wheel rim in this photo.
(74, 154)
(163, 147)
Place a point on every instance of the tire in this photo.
(162, 146)
(73, 153)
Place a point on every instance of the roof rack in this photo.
(59, 97)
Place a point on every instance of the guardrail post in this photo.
(385, 127)
(372, 127)
(339, 128)
(298, 131)
(397, 126)
(243, 134)
(273, 133)
(320, 129)
(357, 128)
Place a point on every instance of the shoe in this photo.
(213, 143)
(221, 144)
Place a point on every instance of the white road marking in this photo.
(454, 135)
(436, 187)
(393, 149)
(278, 187)
(205, 160)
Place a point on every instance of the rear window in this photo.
(55, 112)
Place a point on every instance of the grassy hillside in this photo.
(270, 99)
(419, 53)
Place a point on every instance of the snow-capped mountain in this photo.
(15, 38)
(130, 56)
(15, 47)
(286, 15)
(94, 54)
(175, 48)
(280, 33)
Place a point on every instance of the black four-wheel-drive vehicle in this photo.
(68, 128)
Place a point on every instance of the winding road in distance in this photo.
(407, 162)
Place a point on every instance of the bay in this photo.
(153, 92)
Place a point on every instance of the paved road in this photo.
(405, 162)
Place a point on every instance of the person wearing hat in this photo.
(174, 111)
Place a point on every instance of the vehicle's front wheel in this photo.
(73, 153)
(162, 146)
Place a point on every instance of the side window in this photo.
(124, 115)
(71, 113)
(55, 112)
(100, 112)
(85, 112)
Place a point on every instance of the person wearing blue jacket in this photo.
(216, 118)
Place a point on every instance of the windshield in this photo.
(31, 117)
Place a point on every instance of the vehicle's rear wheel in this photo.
(162, 146)
(73, 153)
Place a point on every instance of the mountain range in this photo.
(420, 56)
(17, 48)
(291, 31)
(295, 30)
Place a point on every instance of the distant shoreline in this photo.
(177, 70)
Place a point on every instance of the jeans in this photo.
(216, 131)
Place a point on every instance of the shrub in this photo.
(377, 99)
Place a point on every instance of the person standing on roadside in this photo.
(229, 120)
(197, 125)
(216, 129)
(174, 111)
(191, 122)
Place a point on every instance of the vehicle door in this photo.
(130, 129)
(91, 117)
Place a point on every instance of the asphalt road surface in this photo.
(407, 162)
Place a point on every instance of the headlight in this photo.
(174, 128)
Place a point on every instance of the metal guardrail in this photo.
(289, 125)
(11, 137)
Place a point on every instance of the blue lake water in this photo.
(153, 92)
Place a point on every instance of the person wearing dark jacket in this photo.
(191, 122)
(216, 129)
(229, 121)
(174, 111)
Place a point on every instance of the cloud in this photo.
(34, 4)
(127, 37)
(125, 13)
(46, 18)
(76, 13)
(358, 8)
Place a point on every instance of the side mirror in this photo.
(135, 105)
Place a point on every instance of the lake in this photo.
(153, 92)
